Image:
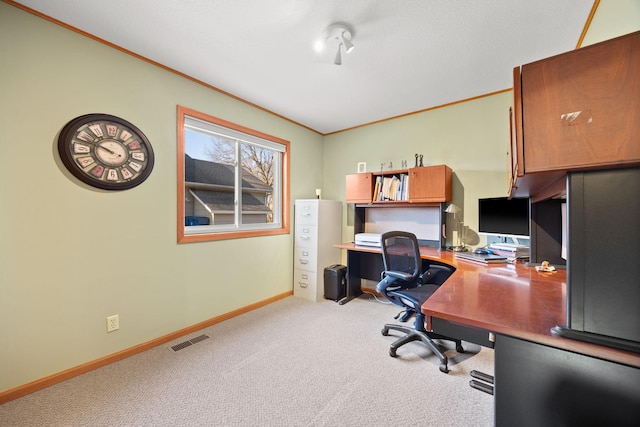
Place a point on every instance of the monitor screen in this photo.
(504, 217)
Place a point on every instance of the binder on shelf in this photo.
(391, 188)
(376, 190)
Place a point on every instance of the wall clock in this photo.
(105, 151)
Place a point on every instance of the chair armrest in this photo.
(399, 275)
(385, 283)
(435, 275)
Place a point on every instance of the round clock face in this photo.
(105, 152)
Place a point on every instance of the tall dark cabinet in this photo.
(604, 255)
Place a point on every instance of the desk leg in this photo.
(354, 287)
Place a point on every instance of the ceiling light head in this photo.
(339, 35)
(338, 58)
(348, 46)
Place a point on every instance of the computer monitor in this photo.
(504, 217)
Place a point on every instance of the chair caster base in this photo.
(417, 335)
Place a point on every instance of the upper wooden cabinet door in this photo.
(581, 109)
(516, 148)
(359, 188)
(430, 184)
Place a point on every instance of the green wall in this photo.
(470, 137)
(71, 256)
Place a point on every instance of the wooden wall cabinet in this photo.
(575, 111)
(359, 188)
(428, 184)
(516, 149)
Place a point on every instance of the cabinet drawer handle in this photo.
(304, 276)
(303, 261)
(302, 284)
(306, 214)
(304, 237)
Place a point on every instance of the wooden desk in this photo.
(513, 300)
(540, 379)
(365, 262)
(497, 298)
(504, 298)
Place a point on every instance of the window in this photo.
(232, 181)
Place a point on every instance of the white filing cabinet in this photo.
(318, 226)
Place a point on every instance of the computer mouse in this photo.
(483, 251)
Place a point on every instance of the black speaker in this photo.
(335, 282)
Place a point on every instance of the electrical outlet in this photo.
(113, 323)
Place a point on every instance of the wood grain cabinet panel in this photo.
(428, 184)
(579, 110)
(359, 188)
(582, 108)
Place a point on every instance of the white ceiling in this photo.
(410, 55)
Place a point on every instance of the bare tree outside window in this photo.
(256, 160)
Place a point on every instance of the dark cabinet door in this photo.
(538, 385)
(604, 253)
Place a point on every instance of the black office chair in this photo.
(405, 284)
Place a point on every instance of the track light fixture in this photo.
(338, 59)
(348, 46)
(341, 36)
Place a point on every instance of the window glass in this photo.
(231, 180)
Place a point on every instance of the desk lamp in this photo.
(455, 210)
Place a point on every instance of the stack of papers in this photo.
(482, 258)
(510, 250)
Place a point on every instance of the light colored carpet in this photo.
(291, 363)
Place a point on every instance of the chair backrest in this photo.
(401, 253)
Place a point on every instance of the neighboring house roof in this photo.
(206, 172)
(219, 174)
(223, 201)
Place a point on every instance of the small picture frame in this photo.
(362, 167)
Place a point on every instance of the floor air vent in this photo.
(189, 343)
